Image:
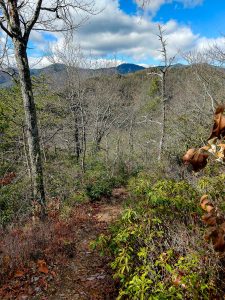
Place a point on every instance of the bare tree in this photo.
(162, 74)
(202, 66)
(17, 19)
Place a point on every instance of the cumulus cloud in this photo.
(154, 5)
(204, 43)
(113, 32)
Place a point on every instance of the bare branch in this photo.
(31, 23)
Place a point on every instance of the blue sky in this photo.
(124, 31)
(206, 19)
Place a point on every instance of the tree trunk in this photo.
(163, 93)
(84, 140)
(31, 124)
(76, 138)
(77, 146)
(98, 142)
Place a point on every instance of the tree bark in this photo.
(77, 146)
(31, 123)
(163, 93)
(77, 140)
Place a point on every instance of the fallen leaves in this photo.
(42, 266)
(215, 147)
(197, 158)
(19, 274)
(216, 223)
(28, 282)
(8, 178)
(218, 129)
(206, 204)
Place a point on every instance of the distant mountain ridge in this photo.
(125, 68)
(128, 68)
(57, 69)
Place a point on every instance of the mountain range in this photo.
(125, 68)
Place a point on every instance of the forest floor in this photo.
(87, 276)
(56, 260)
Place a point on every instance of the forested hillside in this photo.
(103, 132)
(112, 177)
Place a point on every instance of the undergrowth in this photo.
(158, 247)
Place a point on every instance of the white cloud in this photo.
(154, 5)
(113, 32)
(38, 63)
(204, 43)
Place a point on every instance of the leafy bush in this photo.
(164, 194)
(99, 182)
(158, 260)
(140, 184)
(171, 193)
(213, 186)
(98, 188)
(156, 255)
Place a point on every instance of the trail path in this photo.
(87, 276)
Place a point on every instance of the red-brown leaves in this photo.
(216, 222)
(197, 158)
(206, 204)
(218, 129)
(216, 236)
(19, 274)
(188, 156)
(42, 266)
(7, 179)
(209, 219)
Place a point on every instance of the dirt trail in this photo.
(87, 276)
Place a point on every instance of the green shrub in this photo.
(157, 253)
(176, 194)
(98, 188)
(140, 184)
(150, 264)
(214, 186)
(99, 182)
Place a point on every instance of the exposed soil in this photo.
(87, 276)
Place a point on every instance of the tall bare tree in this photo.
(162, 74)
(17, 19)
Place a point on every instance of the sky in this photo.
(122, 31)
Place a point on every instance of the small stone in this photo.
(91, 278)
(101, 277)
(35, 279)
(37, 289)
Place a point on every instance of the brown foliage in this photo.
(8, 178)
(218, 129)
(206, 204)
(32, 253)
(197, 158)
(42, 266)
(216, 222)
